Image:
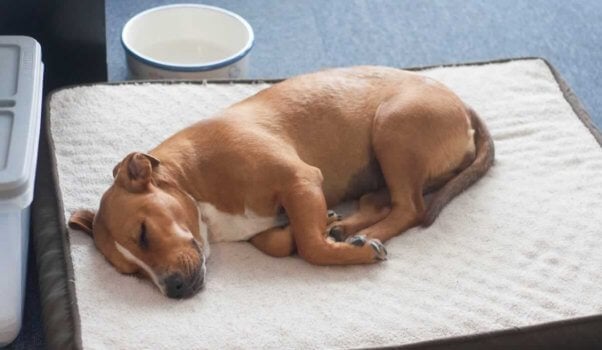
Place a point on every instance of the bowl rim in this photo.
(190, 67)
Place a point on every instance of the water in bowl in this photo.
(185, 51)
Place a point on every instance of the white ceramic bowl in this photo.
(187, 41)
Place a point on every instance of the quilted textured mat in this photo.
(521, 247)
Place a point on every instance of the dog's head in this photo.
(148, 226)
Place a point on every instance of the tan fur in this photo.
(303, 145)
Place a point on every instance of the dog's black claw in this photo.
(379, 249)
(357, 241)
(333, 214)
(336, 232)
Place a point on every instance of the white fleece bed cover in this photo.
(521, 247)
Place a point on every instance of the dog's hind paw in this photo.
(379, 249)
(336, 233)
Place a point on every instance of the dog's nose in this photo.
(178, 287)
(175, 286)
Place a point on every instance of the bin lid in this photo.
(20, 113)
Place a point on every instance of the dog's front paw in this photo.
(357, 240)
(379, 249)
(380, 252)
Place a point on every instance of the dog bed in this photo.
(514, 260)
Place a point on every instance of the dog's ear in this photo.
(116, 169)
(135, 170)
(82, 220)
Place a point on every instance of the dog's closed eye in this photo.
(143, 240)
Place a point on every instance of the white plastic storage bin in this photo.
(20, 112)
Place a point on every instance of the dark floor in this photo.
(299, 36)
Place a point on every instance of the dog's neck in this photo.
(191, 162)
(180, 170)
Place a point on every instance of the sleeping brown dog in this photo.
(267, 168)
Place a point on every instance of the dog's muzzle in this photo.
(178, 286)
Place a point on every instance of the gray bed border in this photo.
(60, 313)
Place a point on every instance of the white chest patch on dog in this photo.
(225, 227)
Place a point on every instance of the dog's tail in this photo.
(483, 160)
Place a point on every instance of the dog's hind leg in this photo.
(407, 203)
(372, 208)
(399, 146)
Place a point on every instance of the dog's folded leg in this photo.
(277, 242)
(305, 206)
